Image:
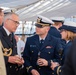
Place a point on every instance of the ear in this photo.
(6, 21)
(48, 28)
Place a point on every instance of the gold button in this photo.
(39, 68)
(59, 54)
(49, 52)
(59, 70)
(61, 59)
(32, 51)
(15, 66)
(17, 69)
(52, 73)
(10, 66)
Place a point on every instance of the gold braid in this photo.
(6, 52)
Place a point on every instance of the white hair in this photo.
(9, 15)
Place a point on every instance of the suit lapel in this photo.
(5, 37)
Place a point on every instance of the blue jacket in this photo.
(49, 51)
(54, 32)
(66, 49)
(65, 52)
(69, 67)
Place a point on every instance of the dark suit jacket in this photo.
(11, 68)
(49, 51)
(65, 52)
(54, 32)
(69, 67)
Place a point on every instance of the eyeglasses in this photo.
(14, 21)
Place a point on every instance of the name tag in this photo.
(32, 45)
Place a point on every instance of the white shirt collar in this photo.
(6, 31)
(42, 38)
(67, 41)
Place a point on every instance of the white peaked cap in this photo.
(45, 19)
(58, 18)
(70, 23)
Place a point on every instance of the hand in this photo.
(15, 60)
(42, 62)
(20, 61)
(34, 72)
(54, 64)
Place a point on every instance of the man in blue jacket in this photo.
(41, 48)
(54, 29)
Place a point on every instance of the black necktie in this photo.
(10, 37)
(41, 42)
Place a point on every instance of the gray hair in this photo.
(9, 15)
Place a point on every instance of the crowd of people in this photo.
(50, 51)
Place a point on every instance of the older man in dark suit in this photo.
(12, 60)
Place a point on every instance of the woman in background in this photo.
(68, 32)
